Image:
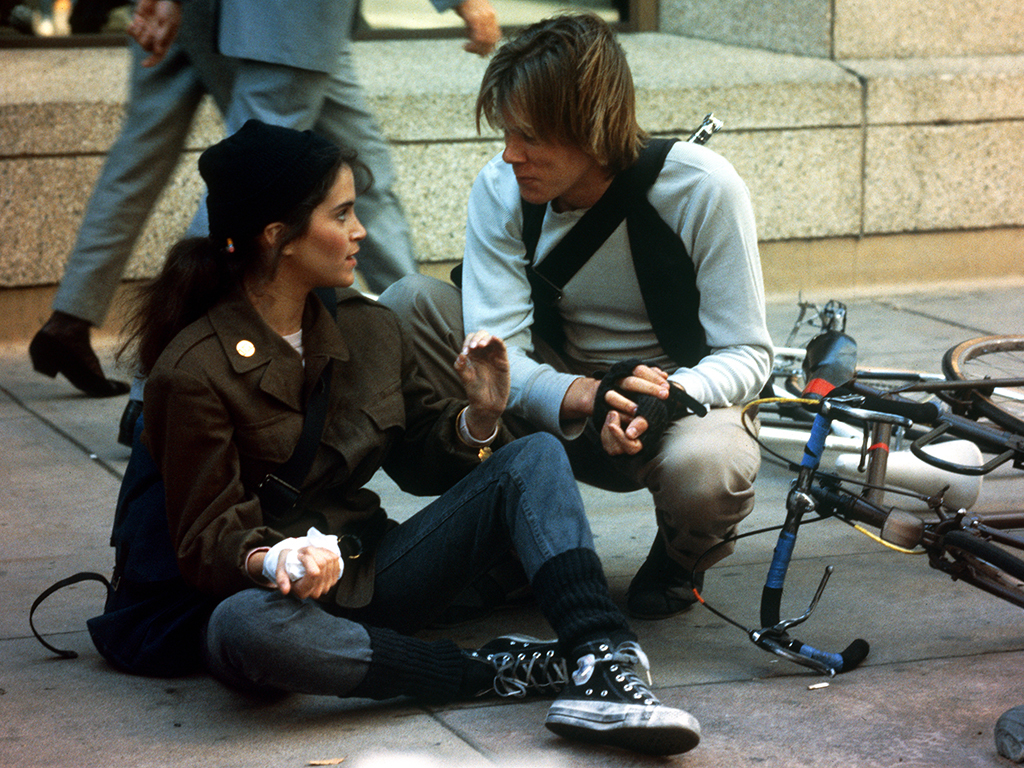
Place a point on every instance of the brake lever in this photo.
(776, 638)
(786, 624)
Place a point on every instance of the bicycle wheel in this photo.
(991, 357)
(985, 565)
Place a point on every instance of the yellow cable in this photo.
(787, 400)
(808, 401)
(748, 424)
(885, 543)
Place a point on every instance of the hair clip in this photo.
(231, 246)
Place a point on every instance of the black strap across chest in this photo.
(280, 489)
(668, 281)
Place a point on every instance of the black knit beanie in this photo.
(259, 174)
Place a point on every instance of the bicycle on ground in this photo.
(969, 425)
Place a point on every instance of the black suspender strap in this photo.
(280, 488)
(594, 227)
(581, 242)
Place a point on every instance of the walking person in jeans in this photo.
(325, 597)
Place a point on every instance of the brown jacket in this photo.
(224, 406)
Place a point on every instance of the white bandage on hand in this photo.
(292, 565)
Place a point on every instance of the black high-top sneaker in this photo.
(607, 703)
(517, 665)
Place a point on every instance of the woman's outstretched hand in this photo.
(483, 367)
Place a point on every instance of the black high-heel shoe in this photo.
(62, 346)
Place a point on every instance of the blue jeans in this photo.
(524, 498)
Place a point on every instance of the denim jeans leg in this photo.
(524, 497)
(260, 640)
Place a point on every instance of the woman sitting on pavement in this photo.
(234, 340)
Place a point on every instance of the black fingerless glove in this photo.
(657, 412)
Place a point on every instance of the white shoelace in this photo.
(627, 656)
(519, 673)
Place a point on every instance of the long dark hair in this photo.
(198, 273)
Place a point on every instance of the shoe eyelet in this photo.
(590, 692)
(604, 693)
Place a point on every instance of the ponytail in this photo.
(195, 276)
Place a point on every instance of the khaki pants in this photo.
(701, 480)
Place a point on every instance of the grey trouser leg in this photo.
(430, 312)
(263, 639)
(386, 254)
(162, 101)
(333, 106)
(701, 480)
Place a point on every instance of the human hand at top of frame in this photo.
(154, 26)
(483, 368)
(481, 25)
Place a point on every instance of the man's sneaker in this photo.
(607, 703)
(517, 665)
(662, 588)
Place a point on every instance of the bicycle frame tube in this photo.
(798, 502)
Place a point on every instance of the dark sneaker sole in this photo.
(679, 733)
(659, 603)
(654, 615)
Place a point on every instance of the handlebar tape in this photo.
(815, 446)
(817, 389)
(780, 560)
(771, 595)
(854, 654)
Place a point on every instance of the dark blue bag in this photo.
(153, 620)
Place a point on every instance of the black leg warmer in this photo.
(408, 666)
(573, 594)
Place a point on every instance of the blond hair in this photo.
(565, 80)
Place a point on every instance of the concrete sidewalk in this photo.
(946, 660)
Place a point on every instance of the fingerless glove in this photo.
(658, 413)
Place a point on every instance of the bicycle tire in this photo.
(991, 568)
(991, 357)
